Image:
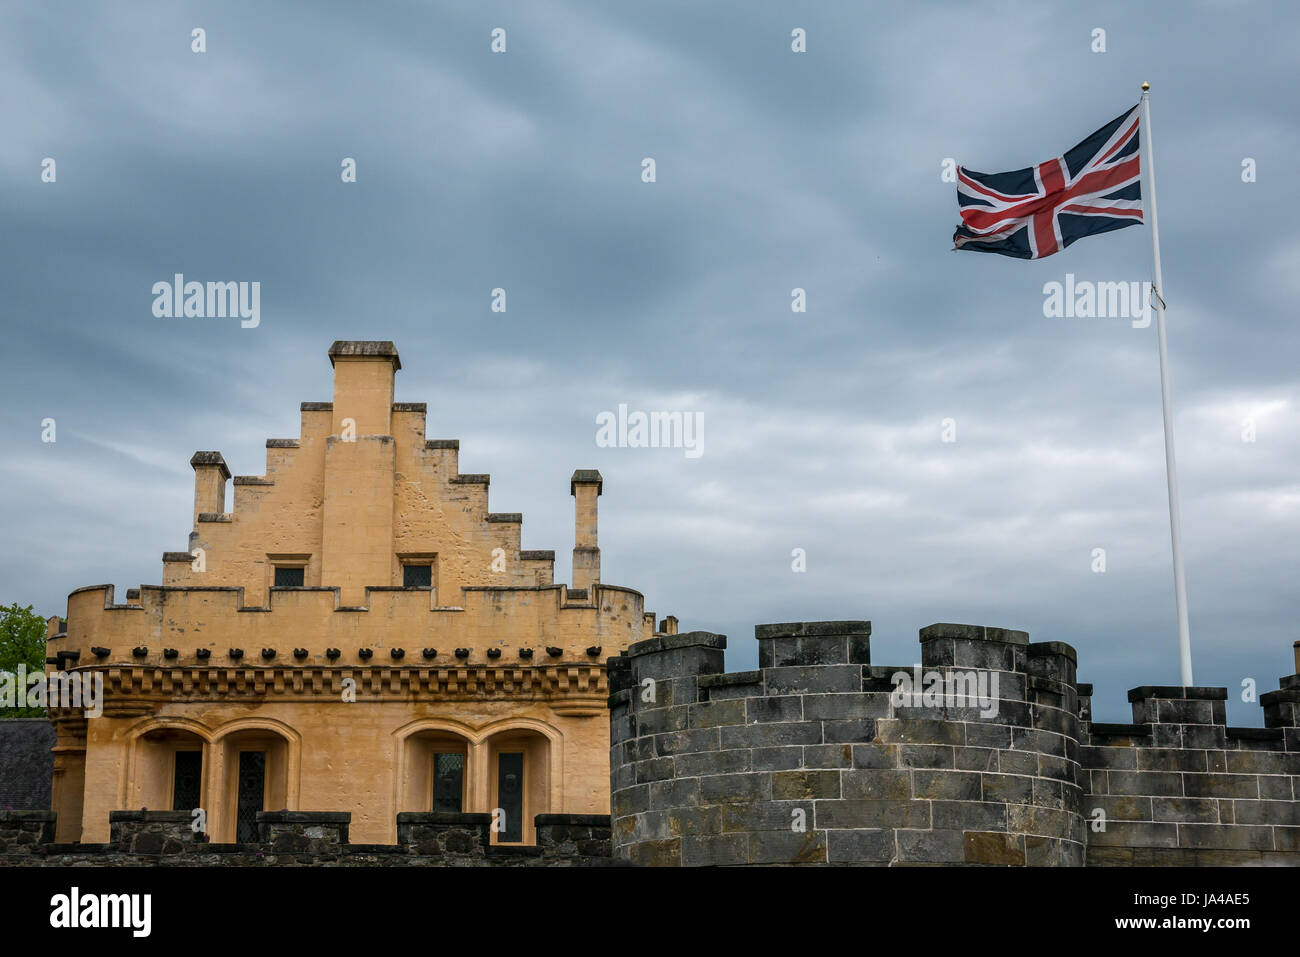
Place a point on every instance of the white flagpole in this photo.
(1171, 473)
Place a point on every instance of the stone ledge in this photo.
(365, 349)
(1288, 694)
(1043, 648)
(210, 459)
(1194, 693)
(27, 816)
(812, 629)
(586, 477)
(945, 629)
(303, 831)
(685, 639)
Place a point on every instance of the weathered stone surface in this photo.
(818, 770)
(309, 839)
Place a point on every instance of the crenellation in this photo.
(441, 460)
(1282, 707)
(538, 567)
(983, 754)
(819, 643)
(360, 605)
(722, 687)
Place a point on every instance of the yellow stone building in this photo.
(358, 633)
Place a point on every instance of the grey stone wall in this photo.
(1180, 787)
(307, 838)
(811, 760)
(21, 832)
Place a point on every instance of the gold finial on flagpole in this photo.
(1145, 87)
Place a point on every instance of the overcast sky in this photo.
(774, 170)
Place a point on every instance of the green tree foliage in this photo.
(22, 641)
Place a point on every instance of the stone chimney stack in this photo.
(585, 487)
(360, 463)
(363, 386)
(210, 477)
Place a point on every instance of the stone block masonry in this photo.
(814, 760)
(307, 839)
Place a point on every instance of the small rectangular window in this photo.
(510, 794)
(417, 576)
(249, 795)
(448, 782)
(288, 577)
(186, 783)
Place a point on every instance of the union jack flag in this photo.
(1037, 211)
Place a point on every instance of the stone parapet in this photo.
(308, 839)
(984, 753)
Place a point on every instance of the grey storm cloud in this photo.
(775, 170)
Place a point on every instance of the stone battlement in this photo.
(193, 620)
(821, 757)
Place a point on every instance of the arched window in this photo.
(255, 764)
(170, 770)
(436, 772)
